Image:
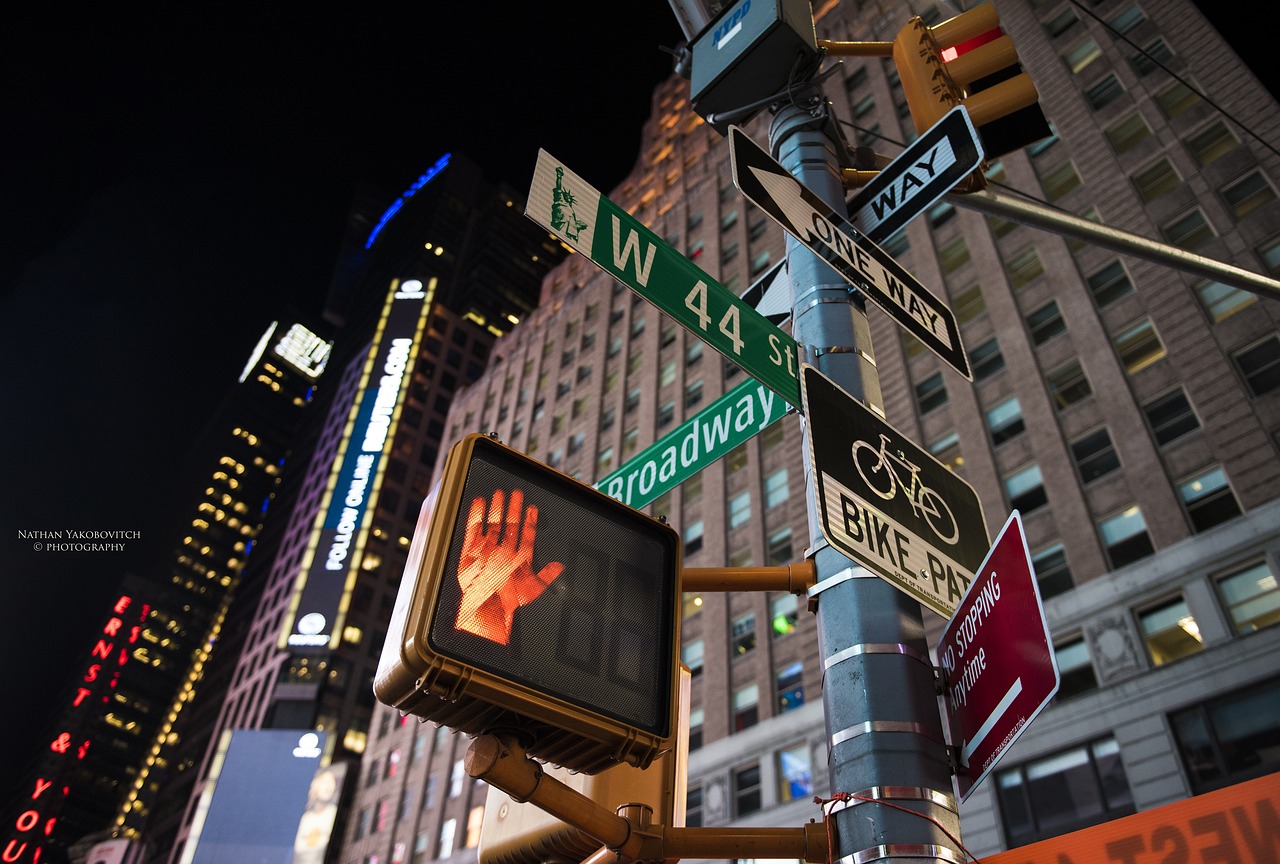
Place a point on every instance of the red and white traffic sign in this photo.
(997, 659)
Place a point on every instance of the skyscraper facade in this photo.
(422, 288)
(1125, 407)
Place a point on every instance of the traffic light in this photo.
(968, 60)
(533, 603)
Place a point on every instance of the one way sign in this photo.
(829, 235)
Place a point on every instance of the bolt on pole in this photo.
(884, 730)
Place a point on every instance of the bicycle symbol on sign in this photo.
(880, 471)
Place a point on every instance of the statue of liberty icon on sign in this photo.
(563, 216)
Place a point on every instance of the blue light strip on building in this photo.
(408, 193)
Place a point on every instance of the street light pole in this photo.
(884, 729)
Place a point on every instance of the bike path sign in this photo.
(830, 236)
(886, 503)
(618, 243)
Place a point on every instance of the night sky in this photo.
(171, 181)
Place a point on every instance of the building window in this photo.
(692, 655)
(1177, 98)
(784, 615)
(1095, 455)
(1270, 254)
(475, 821)
(778, 551)
(1103, 92)
(1079, 57)
(692, 605)
(743, 637)
(1110, 284)
(1208, 499)
(746, 707)
(1058, 181)
(456, 779)
(1248, 194)
(697, 717)
(1075, 669)
(693, 538)
(1068, 385)
(795, 774)
(1189, 231)
(693, 394)
(746, 790)
(447, 830)
(953, 255)
(1025, 489)
(739, 509)
(693, 806)
(941, 213)
(364, 823)
(1211, 143)
(1045, 323)
(1005, 421)
(969, 304)
(1152, 57)
(931, 393)
(1023, 268)
(947, 450)
(1251, 597)
(1156, 179)
(1052, 573)
(1128, 133)
(776, 488)
(666, 414)
(1061, 22)
(604, 462)
(1139, 346)
(986, 360)
(1170, 631)
(789, 685)
(1230, 739)
(1125, 538)
(1170, 417)
(1222, 301)
(1260, 366)
(736, 459)
(1064, 792)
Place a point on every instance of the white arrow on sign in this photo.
(850, 253)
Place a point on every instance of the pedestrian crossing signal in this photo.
(534, 603)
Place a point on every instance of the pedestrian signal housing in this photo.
(532, 603)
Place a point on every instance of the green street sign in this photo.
(618, 243)
(694, 444)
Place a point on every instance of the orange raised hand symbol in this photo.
(495, 571)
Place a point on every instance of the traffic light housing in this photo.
(532, 603)
(968, 60)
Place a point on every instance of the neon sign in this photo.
(408, 193)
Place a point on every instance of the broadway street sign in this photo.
(619, 244)
(693, 445)
(829, 235)
(923, 173)
(888, 504)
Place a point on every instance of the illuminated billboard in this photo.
(342, 524)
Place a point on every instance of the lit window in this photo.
(789, 685)
(1208, 499)
(1059, 181)
(1139, 346)
(1125, 538)
(1177, 98)
(1221, 301)
(446, 838)
(784, 615)
(692, 604)
(744, 635)
(1079, 57)
(1251, 597)
(947, 450)
(1128, 133)
(1170, 631)
(475, 821)
(1211, 143)
(795, 774)
(1156, 180)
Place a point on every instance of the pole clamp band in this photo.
(876, 648)
(918, 852)
(851, 732)
(935, 797)
(843, 576)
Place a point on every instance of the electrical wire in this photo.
(840, 797)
